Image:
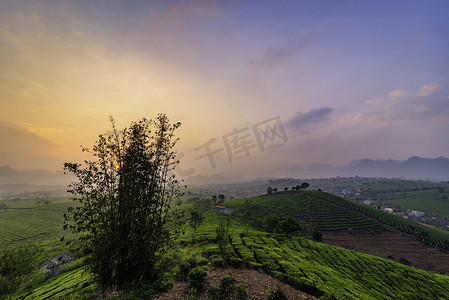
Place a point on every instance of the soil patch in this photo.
(394, 244)
(258, 285)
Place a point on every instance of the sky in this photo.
(257, 85)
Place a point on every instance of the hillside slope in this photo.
(317, 268)
(353, 226)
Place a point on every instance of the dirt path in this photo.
(310, 224)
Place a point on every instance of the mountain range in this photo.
(8, 175)
(413, 168)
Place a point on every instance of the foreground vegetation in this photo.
(322, 270)
(318, 268)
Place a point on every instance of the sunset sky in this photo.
(344, 79)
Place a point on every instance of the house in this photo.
(55, 265)
(224, 210)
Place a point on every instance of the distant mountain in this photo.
(9, 175)
(370, 167)
(414, 167)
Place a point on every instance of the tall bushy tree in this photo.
(124, 196)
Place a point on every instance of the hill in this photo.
(352, 225)
(318, 269)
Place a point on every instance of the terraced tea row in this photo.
(31, 225)
(316, 267)
(426, 234)
(313, 212)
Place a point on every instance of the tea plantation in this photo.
(322, 270)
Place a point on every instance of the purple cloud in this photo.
(279, 53)
(313, 116)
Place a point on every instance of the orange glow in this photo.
(117, 166)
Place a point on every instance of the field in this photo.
(25, 222)
(431, 202)
(319, 268)
(316, 268)
(327, 212)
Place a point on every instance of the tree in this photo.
(3, 206)
(275, 190)
(125, 192)
(195, 221)
(202, 206)
(304, 186)
(289, 225)
(272, 222)
(223, 236)
(269, 190)
(221, 198)
(39, 201)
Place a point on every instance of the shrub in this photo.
(241, 293)
(197, 280)
(277, 294)
(228, 289)
(217, 261)
(405, 261)
(317, 236)
(227, 284)
(185, 267)
(214, 293)
(301, 285)
(237, 262)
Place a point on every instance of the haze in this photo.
(345, 80)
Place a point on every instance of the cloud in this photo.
(428, 89)
(429, 101)
(280, 53)
(182, 12)
(25, 149)
(313, 116)
(398, 94)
